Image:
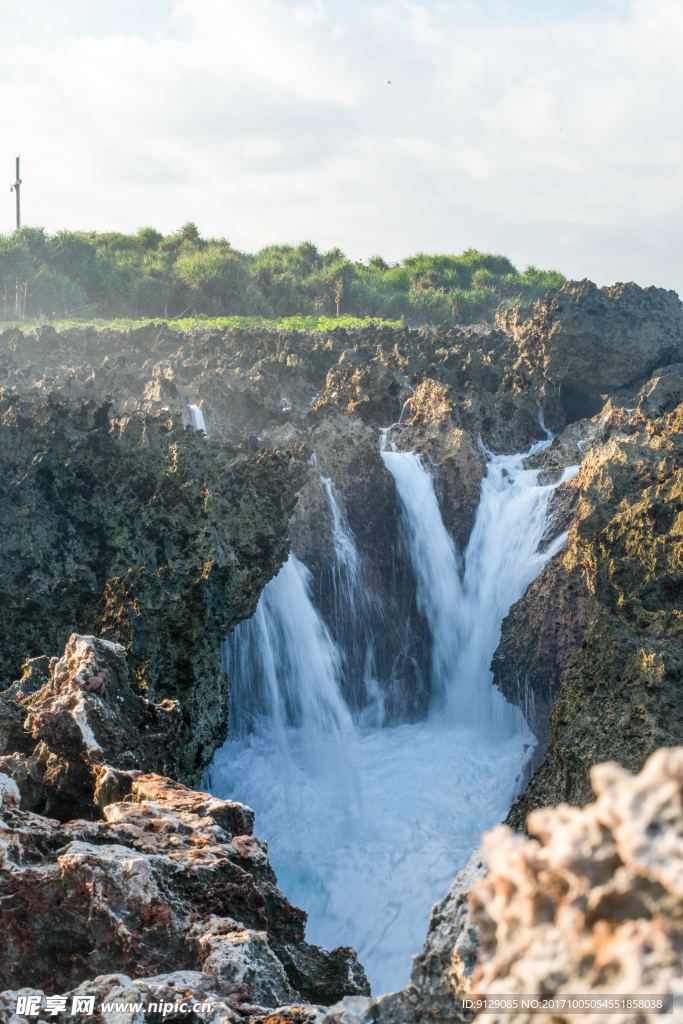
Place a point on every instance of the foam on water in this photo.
(367, 826)
(368, 874)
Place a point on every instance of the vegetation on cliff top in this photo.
(85, 275)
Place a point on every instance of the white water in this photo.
(367, 826)
(355, 606)
(197, 417)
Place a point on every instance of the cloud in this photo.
(555, 141)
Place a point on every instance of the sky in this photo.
(548, 130)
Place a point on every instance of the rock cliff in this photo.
(99, 450)
(590, 339)
(122, 522)
(108, 866)
(137, 529)
(597, 636)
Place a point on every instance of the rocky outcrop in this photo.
(74, 732)
(538, 635)
(137, 529)
(591, 652)
(590, 907)
(124, 522)
(594, 904)
(105, 416)
(151, 879)
(590, 340)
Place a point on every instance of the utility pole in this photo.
(16, 187)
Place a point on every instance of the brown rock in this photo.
(592, 339)
(85, 733)
(161, 878)
(594, 904)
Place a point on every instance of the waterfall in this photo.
(285, 669)
(465, 609)
(367, 825)
(197, 417)
(356, 610)
(348, 559)
(501, 560)
(435, 562)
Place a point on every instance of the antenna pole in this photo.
(16, 187)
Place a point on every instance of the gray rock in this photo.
(591, 339)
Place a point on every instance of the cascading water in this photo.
(367, 826)
(355, 608)
(197, 417)
(465, 610)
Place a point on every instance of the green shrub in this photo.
(147, 275)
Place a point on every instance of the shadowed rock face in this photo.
(149, 877)
(136, 528)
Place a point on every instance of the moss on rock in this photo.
(621, 688)
(138, 529)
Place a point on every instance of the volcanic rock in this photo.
(592, 651)
(593, 905)
(138, 530)
(589, 339)
(151, 878)
(126, 523)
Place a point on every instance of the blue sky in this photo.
(549, 131)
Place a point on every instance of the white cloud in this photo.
(555, 141)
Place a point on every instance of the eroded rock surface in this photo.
(136, 529)
(75, 731)
(151, 878)
(594, 903)
(125, 522)
(586, 338)
(596, 639)
(98, 453)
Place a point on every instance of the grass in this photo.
(289, 323)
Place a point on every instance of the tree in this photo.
(338, 278)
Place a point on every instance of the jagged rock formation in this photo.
(135, 528)
(151, 878)
(76, 398)
(594, 904)
(597, 636)
(123, 521)
(593, 339)
(73, 731)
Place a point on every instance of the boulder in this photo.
(592, 905)
(133, 873)
(590, 339)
